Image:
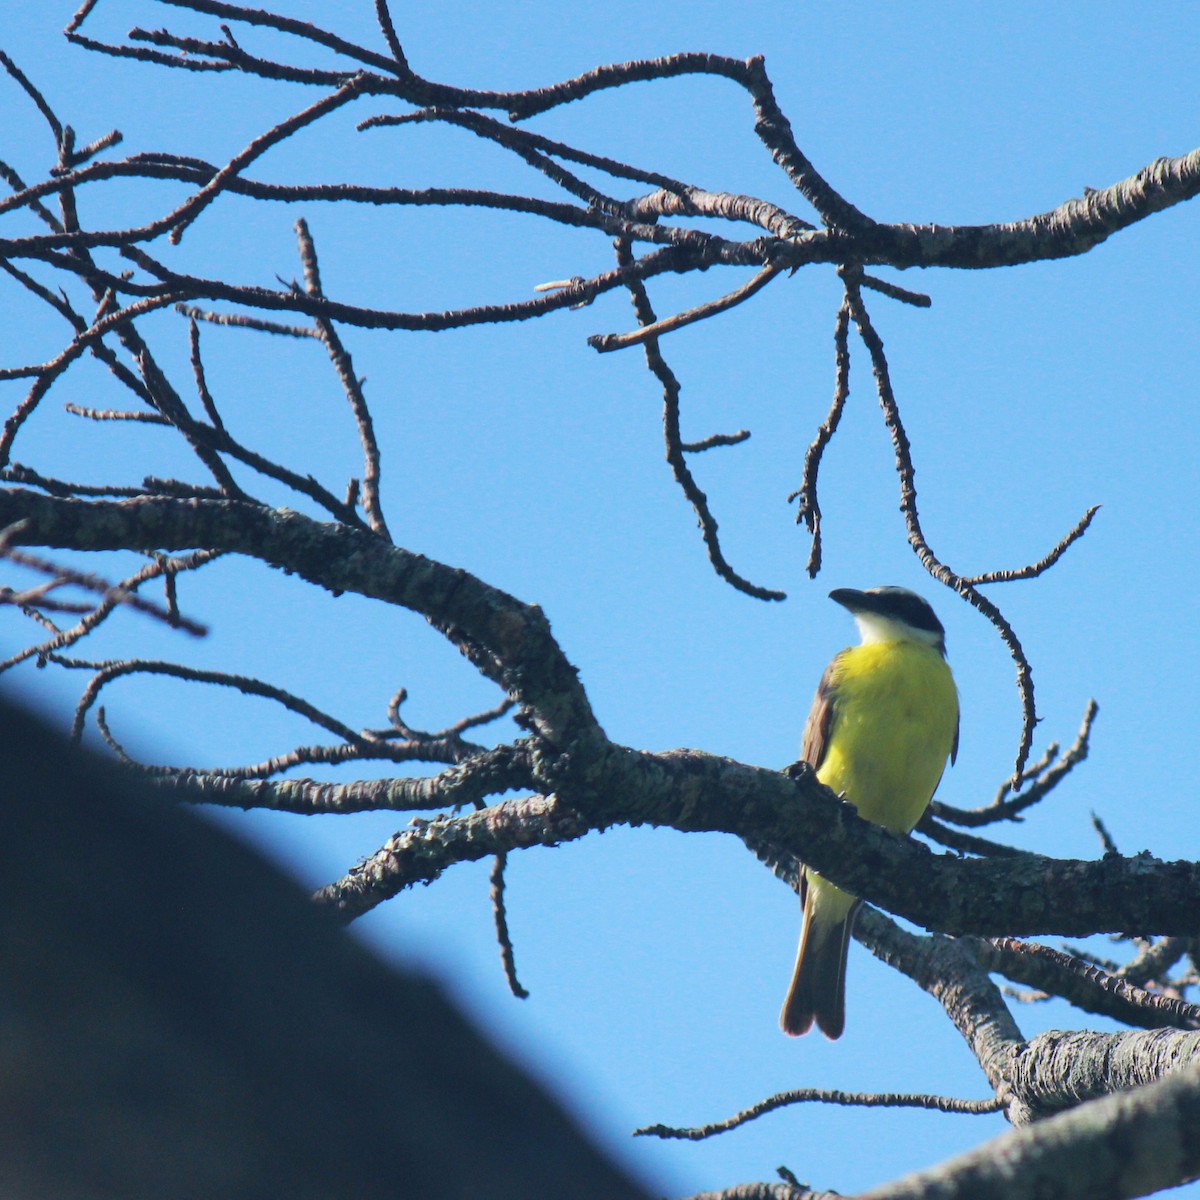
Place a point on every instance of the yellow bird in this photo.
(883, 722)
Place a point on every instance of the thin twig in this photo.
(340, 357)
(1045, 777)
(170, 403)
(604, 342)
(186, 213)
(946, 1104)
(809, 508)
(674, 443)
(1106, 838)
(908, 506)
(68, 576)
(111, 598)
(1155, 959)
(384, 17)
(109, 414)
(245, 321)
(714, 440)
(511, 138)
(500, 917)
(521, 143)
(896, 292)
(775, 132)
(202, 389)
(99, 350)
(449, 737)
(14, 181)
(39, 100)
(964, 843)
(59, 365)
(1044, 564)
(1086, 987)
(27, 476)
(107, 672)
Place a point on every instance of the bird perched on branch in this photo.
(883, 722)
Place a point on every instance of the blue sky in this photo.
(656, 961)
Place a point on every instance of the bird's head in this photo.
(892, 614)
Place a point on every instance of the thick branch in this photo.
(420, 853)
(1122, 1146)
(1058, 1070)
(512, 642)
(488, 774)
(1073, 228)
(949, 972)
(695, 792)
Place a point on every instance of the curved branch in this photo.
(808, 510)
(107, 672)
(949, 972)
(916, 537)
(675, 446)
(500, 918)
(506, 639)
(422, 852)
(1045, 776)
(964, 843)
(1044, 564)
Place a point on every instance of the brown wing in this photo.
(953, 749)
(820, 720)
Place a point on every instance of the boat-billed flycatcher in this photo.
(883, 722)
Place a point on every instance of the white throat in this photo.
(875, 628)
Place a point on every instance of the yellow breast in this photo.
(894, 722)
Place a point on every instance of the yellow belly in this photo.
(894, 724)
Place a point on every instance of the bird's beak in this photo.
(854, 600)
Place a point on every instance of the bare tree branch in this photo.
(500, 916)
(1120, 1146)
(683, 476)
(604, 342)
(809, 509)
(1085, 986)
(1045, 776)
(946, 1104)
(485, 773)
(352, 385)
(581, 780)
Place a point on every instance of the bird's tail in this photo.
(818, 991)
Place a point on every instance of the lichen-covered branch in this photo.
(1123, 1145)
(1085, 985)
(488, 773)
